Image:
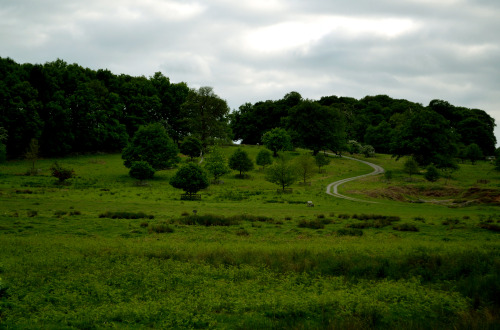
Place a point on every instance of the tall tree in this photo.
(206, 115)
(316, 127)
(305, 166)
(216, 164)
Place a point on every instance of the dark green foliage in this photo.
(208, 220)
(282, 172)
(191, 147)
(405, 227)
(490, 226)
(372, 221)
(276, 140)
(473, 153)
(61, 173)
(153, 145)
(264, 158)
(191, 178)
(239, 161)
(410, 166)
(321, 160)
(3, 153)
(426, 135)
(432, 174)
(388, 175)
(125, 215)
(497, 163)
(316, 127)
(141, 170)
(216, 164)
(312, 224)
(32, 213)
(367, 150)
(349, 232)
(160, 228)
(206, 115)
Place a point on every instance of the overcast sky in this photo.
(255, 50)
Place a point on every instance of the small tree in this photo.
(264, 158)
(191, 147)
(305, 166)
(216, 164)
(473, 153)
(354, 147)
(368, 151)
(321, 160)
(239, 161)
(151, 144)
(3, 148)
(432, 174)
(276, 140)
(141, 171)
(61, 173)
(410, 166)
(191, 178)
(282, 172)
(32, 155)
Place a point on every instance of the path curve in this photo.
(334, 185)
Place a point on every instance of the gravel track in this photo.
(332, 188)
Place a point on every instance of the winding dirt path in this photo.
(332, 188)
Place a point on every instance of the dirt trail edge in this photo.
(332, 188)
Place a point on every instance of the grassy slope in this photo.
(85, 271)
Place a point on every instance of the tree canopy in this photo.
(153, 145)
(191, 178)
(239, 161)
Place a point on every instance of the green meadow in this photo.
(104, 251)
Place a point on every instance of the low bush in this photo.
(450, 222)
(32, 213)
(59, 214)
(489, 226)
(312, 224)
(242, 232)
(125, 215)
(160, 228)
(208, 220)
(349, 232)
(344, 216)
(405, 227)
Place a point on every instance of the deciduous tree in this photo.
(239, 161)
(216, 164)
(283, 172)
(305, 166)
(191, 178)
(276, 140)
(264, 158)
(151, 144)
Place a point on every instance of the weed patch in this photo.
(125, 215)
(349, 232)
(405, 227)
(312, 224)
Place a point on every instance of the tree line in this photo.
(71, 109)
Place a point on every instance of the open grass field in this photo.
(104, 252)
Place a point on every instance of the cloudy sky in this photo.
(254, 50)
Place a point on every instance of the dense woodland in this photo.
(71, 109)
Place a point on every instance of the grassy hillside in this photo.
(103, 251)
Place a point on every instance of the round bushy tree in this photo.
(240, 161)
(473, 153)
(264, 158)
(191, 147)
(191, 178)
(153, 145)
(141, 170)
(321, 160)
(276, 140)
(432, 174)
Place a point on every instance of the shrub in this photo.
(344, 216)
(191, 147)
(242, 232)
(264, 157)
(160, 228)
(125, 215)
(32, 213)
(405, 227)
(432, 174)
(313, 224)
(60, 213)
(349, 232)
(490, 226)
(208, 220)
(61, 173)
(141, 170)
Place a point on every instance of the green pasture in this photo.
(269, 261)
